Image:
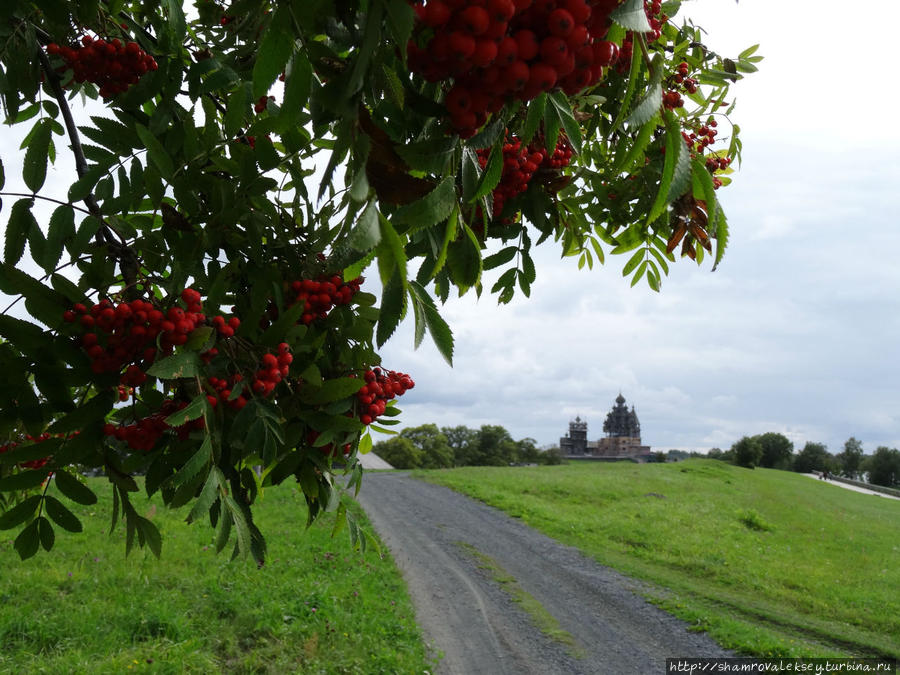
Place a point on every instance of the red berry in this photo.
(475, 19)
(436, 13)
(560, 22)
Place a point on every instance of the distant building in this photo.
(622, 441)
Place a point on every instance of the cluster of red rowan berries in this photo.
(380, 387)
(519, 165)
(495, 50)
(143, 434)
(320, 295)
(124, 336)
(112, 65)
(223, 391)
(679, 81)
(698, 139)
(273, 369)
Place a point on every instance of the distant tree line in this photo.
(430, 447)
(776, 451)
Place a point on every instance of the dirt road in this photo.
(481, 583)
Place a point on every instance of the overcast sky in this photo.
(796, 332)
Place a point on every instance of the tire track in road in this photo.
(478, 628)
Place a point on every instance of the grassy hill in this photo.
(315, 607)
(770, 563)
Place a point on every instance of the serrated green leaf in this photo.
(366, 234)
(207, 496)
(633, 262)
(393, 308)
(721, 235)
(334, 390)
(223, 532)
(630, 15)
(490, 134)
(433, 208)
(182, 364)
(34, 166)
(648, 108)
(639, 273)
(61, 229)
(236, 110)
(194, 465)
(401, 19)
(149, 534)
(629, 240)
(464, 260)
(19, 332)
(191, 411)
(429, 154)
(674, 147)
(61, 515)
(681, 175)
(635, 150)
(564, 111)
(20, 513)
(491, 175)
(176, 22)
(156, 151)
(28, 541)
(536, 111)
(275, 49)
(437, 327)
(17, 228)
(74, 489)
(501, 257)
(660, 258)
(391, 253)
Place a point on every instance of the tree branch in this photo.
(127, 261)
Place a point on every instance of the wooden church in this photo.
(622, 440)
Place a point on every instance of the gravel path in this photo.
(434, 533)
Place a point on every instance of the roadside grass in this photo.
(769, 563)
(317, 606)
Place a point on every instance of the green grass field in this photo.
(315, 607)
(770, 563)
